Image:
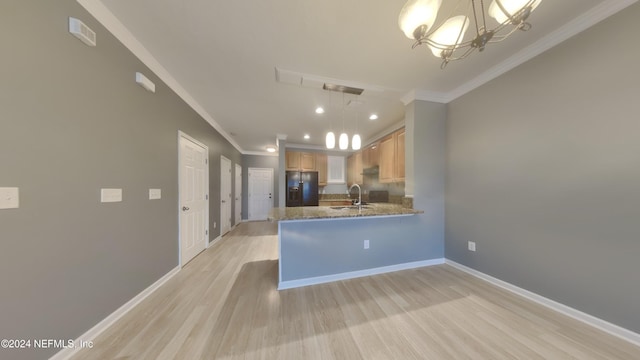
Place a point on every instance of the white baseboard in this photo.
(598, 323)
(290, 284)
(213, 242)
(93, 333)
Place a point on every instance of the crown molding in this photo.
(97, 9)
(260, 153)
(573, 27)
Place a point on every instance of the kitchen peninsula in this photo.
(319, 244)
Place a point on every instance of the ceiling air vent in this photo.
(342, 89)
(82, 31)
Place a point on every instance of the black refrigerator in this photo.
(302, 188)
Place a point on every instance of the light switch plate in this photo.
(155, 194)
(110, 195)
(9, 198)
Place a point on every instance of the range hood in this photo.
(375, 170)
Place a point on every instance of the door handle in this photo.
(184, 208)
(223, 201)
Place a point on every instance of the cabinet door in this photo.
(386, 153)
(321, 166)
(307, 161)
(400, 151)
(292, 160)
(351, 163)
(373, 155)
(357, 171)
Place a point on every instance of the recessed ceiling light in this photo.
(307, 137)
(319, 110)
(373, 117)
(271, 149)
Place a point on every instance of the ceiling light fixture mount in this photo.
(447, 39)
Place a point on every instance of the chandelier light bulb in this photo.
(450, 34)
(330, 140)
(512, 7)
(344, 141)
(416, 14)
(356, 142)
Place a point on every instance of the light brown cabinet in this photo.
(321, 166)
(370, 156)
(308, 161)
(354, 169)
(400, 153)
(300, 161)
(391, 152)
(292, 160)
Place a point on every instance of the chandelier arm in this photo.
(475, 16)
(484, 17)
(497, 39)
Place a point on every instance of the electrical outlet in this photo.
(366, 244)
(215, 224)
(472, 246)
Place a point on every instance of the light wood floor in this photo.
(224, 305)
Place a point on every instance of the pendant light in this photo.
(356, 142)
(343, 141)
(330, 139)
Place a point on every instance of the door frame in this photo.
(249, 190)
(222, 160)
(183, 136)
(238, 193)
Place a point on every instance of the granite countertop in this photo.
(329, 212)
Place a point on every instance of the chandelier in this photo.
(448, 40)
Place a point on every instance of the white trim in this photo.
(214, 241)
(260, 153)
(598, 323)
(111, 22)
(103, 325)
(290, 284)
(587, 19)
(182, 135)
(231, 179)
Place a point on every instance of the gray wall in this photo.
(543, 173)
(258, 161)
(72, 120)
(324, 247)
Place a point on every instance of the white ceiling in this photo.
(221, 57)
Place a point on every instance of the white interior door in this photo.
(238, 192)
(225, 195)
(193, 198)
(260, 193)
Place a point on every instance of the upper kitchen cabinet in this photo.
(300, 161)
(370, 156)
(292, 160)
(321, 166)
(308, 161)
(354, 169)
(400, 152)
(391, 154)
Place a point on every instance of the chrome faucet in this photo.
(359, 203)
